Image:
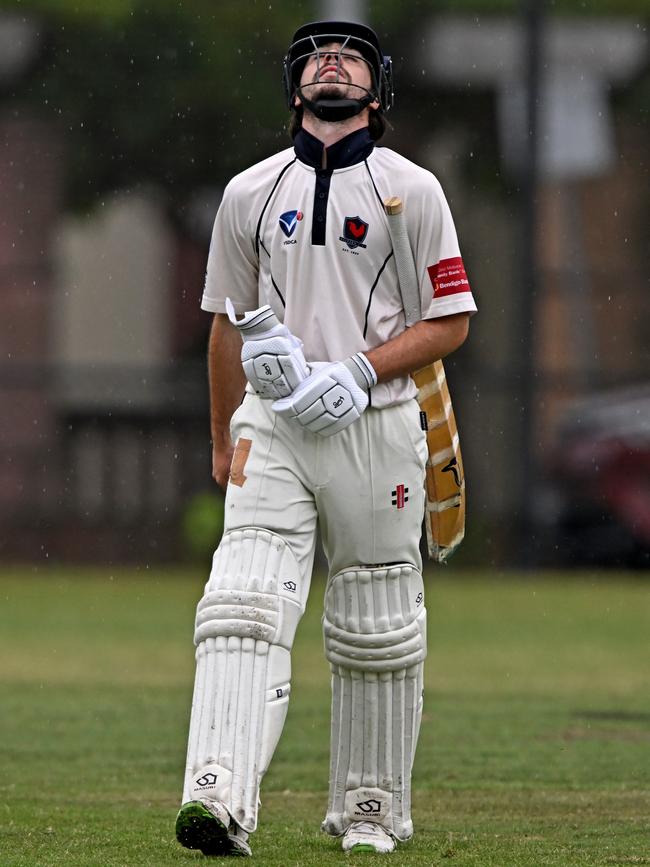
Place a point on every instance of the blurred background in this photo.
(121, 121)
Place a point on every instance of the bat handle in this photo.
(393, 206)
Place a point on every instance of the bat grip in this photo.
(404, 261)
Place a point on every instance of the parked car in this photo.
(601, 471)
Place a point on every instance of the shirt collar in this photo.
(348, 151)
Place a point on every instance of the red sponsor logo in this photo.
(448, 277)
(400, 496)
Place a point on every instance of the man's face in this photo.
(330, 75)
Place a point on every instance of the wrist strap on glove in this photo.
(255, 322)
(362, 371)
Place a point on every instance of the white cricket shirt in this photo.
(314, 244)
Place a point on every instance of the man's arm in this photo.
(426, 342)
(335, 395)
(227, 383)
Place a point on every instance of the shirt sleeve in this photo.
(233, 264)
(443, 282)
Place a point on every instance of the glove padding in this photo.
(271, 356)
(332, 398)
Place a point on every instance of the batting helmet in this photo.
(348, 34)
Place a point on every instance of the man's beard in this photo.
(332, 90)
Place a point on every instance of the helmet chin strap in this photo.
(335, 109)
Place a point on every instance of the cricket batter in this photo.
(309, 328)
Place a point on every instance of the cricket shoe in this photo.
(367, 837)
(208, 826)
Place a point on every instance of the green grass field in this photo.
(535, 745)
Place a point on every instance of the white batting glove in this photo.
(332, 398)
(271, 356)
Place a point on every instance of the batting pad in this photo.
(375, 641)
(245, 626)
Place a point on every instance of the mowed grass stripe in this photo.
(534, 745)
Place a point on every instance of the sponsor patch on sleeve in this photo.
(448, 277)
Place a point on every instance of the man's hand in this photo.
(222, 453)
(271, 356)
(332, 398)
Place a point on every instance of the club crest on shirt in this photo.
(289, 220)
(354, 232)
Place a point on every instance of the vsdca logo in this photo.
(289, 220)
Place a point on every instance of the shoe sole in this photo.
(197, 828)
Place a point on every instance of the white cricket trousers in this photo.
(364, 487)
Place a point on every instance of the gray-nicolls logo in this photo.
(206, 780)
(419, 598)
(290, 586)
(371, 807)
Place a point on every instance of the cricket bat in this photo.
(445, 479)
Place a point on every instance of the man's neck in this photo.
(328, 132)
